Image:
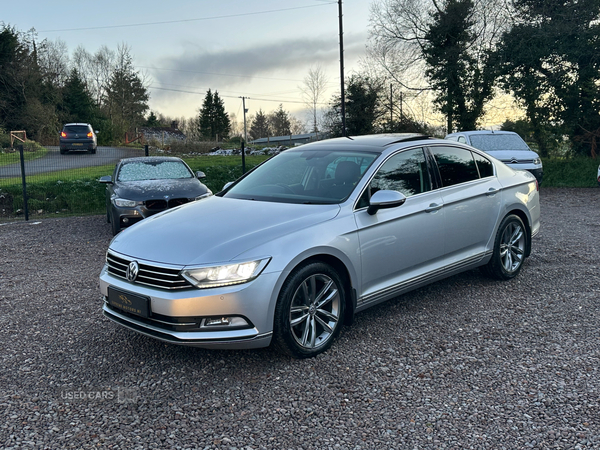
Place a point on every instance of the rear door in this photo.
(472, 196)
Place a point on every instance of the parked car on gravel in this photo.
(507, 146)
(78, 137)
(141, 187)
(288, 253)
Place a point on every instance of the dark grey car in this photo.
(141, 187)
(78, 137)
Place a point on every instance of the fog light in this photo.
(125, 220)
(216, 321)
(225, 322)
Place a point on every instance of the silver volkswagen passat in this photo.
(292, 250)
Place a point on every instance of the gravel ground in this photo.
(464, 363)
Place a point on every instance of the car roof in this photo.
(474, 132)
(144, 159)
(76, 123)
(372, 142)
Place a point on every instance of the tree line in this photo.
(545, 53)
(41, 88)
(459, 53)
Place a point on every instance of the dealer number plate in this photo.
(128, 302)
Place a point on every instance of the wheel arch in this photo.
(342, 270)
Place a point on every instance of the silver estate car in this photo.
(289, 253)
(507, 146)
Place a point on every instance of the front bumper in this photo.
(127, 216)
(175, 316)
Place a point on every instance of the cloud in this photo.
(272, 70)
(287, 60)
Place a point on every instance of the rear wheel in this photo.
(310, 310)
(509, 249)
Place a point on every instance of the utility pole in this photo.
(391, 106)
(245, 141)
(342, 92)
(245, 111)
(401, 117)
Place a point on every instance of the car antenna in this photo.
(349, 138)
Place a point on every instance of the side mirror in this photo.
(385, 199)
(229, 183)
(200, 175)
(107, 179)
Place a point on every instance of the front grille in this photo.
(156, 205)
(150, 275)
(160, 205)
(518, 161)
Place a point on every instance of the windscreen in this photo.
(155, 170)
(492, 142)
(78, 129)
(311, 177)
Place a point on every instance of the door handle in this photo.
(491, 191)
(433, 207)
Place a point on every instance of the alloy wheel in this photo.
(315, 311)
(512, 247)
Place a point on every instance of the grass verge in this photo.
(572, 172)
(10, 156)
(78, 192)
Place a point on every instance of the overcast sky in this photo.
(260, 49)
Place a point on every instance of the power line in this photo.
(228, 16)
(219, 74)
(235, 92)
(232, 96)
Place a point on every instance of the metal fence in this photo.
(44, 183)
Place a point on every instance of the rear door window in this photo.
(484, 165)
(456, 165)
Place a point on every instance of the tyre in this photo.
(310, 311)
(509, 249)
(62, 152)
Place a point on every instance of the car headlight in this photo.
(537, 161)
(225, 275)
(124, 203)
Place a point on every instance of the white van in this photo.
(506, 146)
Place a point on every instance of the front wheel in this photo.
(509, 249)
(310, 310)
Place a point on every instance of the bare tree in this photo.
(53, 58)
(399, 38)
(95, 69)
(297, 126)
(313, 92)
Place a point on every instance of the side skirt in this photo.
(422, 280)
